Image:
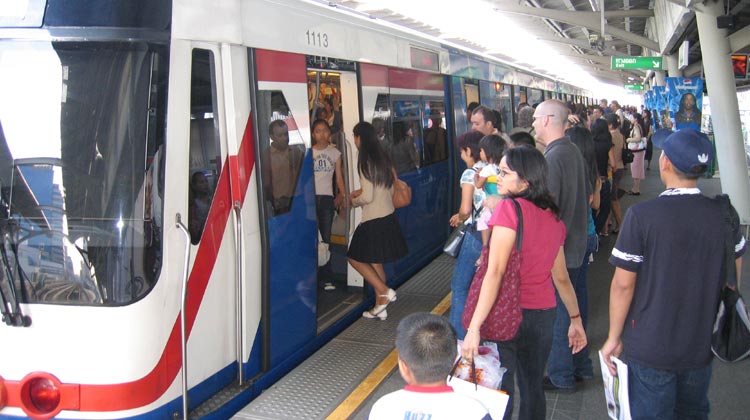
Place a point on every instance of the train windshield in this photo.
(81, 171)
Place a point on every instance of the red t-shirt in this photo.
(543, 235)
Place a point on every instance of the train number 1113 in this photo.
(317, 39)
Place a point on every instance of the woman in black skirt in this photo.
(378, 237)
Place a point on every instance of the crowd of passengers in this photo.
(555, 181)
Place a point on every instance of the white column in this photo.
(660, 77)
(725, 113)
(673, 65)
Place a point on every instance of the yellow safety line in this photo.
(368, 385)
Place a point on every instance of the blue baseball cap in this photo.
(689, 150)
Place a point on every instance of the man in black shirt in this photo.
(666, 286)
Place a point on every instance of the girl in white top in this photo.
(377, 239)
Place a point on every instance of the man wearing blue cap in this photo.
(666, 286)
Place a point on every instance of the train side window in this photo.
(281, 154)
(381, 121)
(407, 147)
(435, 136)
(205, 149)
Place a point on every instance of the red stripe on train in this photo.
(374, 75)
(141, 392)
(276, 66)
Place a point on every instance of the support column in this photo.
(673, 65)
(660, 77)
(725, 113)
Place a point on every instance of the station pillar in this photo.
(673, 66)
(725, 114)
(660, 78)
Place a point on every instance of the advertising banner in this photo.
(661, 110)
(685, 100)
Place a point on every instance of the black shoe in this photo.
(549, 386)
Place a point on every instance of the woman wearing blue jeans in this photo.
(471, 247)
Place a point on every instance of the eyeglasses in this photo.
(542, 116)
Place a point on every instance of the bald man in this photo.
(568, 183)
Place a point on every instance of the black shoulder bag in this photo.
(730, 339)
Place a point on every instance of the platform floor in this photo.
(345, 377)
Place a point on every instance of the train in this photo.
(150, 266)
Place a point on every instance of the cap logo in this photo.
(703, 158)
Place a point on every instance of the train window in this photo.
(406, 145)
(281, 154)
(497, 97)
(435, 137)
(535, 97)
(205, 149)
(81, 184)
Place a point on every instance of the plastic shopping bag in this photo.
(487, 364)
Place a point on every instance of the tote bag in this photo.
(505, 316)
(730, 339)
(401, 193)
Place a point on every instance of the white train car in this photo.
(154, 259)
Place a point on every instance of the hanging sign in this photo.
(636, 63)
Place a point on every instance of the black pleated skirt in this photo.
(378, 241)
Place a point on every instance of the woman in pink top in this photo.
(523, 176)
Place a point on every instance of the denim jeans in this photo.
(463, 273)
(583, 368)
(560, 365)
(524, 357)
(666, 394)
(324, 208)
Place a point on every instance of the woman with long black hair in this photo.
(523, 177)
(378, 237)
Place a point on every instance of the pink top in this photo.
(543, 235)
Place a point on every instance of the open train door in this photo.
(333, 95)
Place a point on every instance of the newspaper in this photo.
(616, 389)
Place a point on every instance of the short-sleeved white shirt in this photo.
(324, 164)
(434, 403)
(467, 177)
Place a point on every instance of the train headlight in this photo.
(44, 394)
(41, 395)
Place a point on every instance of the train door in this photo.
(197, 188)
(333, 96)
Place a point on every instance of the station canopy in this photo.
(561, 39)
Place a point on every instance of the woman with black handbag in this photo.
(471, 246)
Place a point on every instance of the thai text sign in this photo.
(636, 63)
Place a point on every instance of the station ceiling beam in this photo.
(588, 20)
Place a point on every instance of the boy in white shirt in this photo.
(426, 345)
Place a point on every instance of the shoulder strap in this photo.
(519, 230)
(730, 223)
